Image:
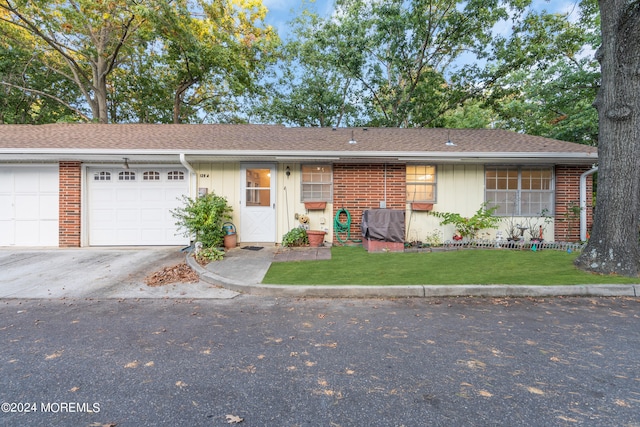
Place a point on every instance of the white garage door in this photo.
(132, 206)
(29, 205)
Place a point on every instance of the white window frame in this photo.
(316, 190)
(517, 198)
(422, 183)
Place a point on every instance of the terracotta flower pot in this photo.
(316, 237)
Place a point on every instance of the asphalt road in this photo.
(320, 362)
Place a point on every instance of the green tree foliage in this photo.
(132, 61)
(82, 40)
(551, 77)
(50, 97)
(305, 88)
(388, 63)
(440, 63)
(212, 52)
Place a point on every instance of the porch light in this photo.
(126, 163)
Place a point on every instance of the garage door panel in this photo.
(48, 185)
(128, 216)
(124, 195)
(139, 209)
(6, 207)
(36, 232)
(173, 195)
(154, 195)
(7, 233)
(102, 215)
(154, 215)
(49, 230)
(29, 205)
(46, 201)
(27, 181)
(101, 195)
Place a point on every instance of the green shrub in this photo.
(202, 218)
(206, 255)
(296, 237)
(470, 226)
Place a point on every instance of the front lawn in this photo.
(355, 266)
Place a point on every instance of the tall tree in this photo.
(552, 77)
(205, 51)
(89, 37)
(614, 245)
(31, 92)
(305, 88)
(213, 50)
(416, 63)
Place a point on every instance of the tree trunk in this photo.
(613, 246)
(100, 88)
(178, 99)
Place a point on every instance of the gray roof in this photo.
(93, 142)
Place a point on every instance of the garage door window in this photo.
(151, 176)
(175, 176)
(102, 176)
(127, 176)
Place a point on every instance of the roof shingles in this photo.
(257, 138)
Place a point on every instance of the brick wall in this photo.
(358, 187)
(70, 204)
(567, 224)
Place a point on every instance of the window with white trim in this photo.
(317, 183)
(151, 176)
(102, 176)
(175, 176)
(520, 191)
(421, 183)
(126, 176)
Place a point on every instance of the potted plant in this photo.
(316, 237)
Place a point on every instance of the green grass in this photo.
(355, 266)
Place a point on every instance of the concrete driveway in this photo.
(95, 273)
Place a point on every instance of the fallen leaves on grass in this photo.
(177, 273)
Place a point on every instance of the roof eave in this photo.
(89, 155)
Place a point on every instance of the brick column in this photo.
(358, 187)
(567, 223)
(70, 205)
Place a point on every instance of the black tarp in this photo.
(383, 224)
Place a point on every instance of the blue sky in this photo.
(281, 12)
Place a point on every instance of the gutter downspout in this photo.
(192, 175)
(583, 202)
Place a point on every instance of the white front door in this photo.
(258, 203)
